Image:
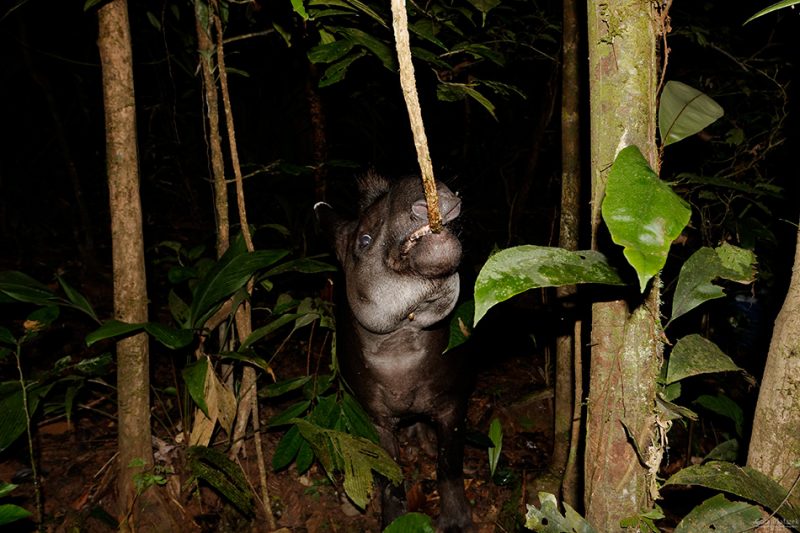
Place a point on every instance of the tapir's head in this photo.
(397, 271)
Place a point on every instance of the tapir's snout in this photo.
(449, 206)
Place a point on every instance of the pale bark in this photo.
(130, 292)
(626, 348)
(775, 442)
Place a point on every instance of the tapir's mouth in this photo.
(412, 239)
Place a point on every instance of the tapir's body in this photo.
(401, 285)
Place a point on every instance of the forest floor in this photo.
(76, 466)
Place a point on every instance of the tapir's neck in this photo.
(408, 341)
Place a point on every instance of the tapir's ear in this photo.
(333, 226)
(370, 187)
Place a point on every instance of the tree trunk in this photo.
(569, 225)
(626, 348)
(130, 292)
(775, 443)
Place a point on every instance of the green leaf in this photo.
(515, 270)
(267, 329)
(357, 421)
(725, 451)
(326, 413)
(379, 48)
(673, 411)
(742, 481)
(282, 387)
(705, 265)
(299, 8)
(774, 7)
(289, 414)
(172, 338)
(336, 72)
(24, 288)
(6, 336)
(6, 488)
(223, 474)
(427, 29)
(194, 375)
(227, 276)
(549, 519)
(77, 299)
(723, 406)
(738, 263)
(693, 355)
(455, 92)
(461, 324)
(719, 514)
(484, 6)
(12, 412)
(496, 436)
(305, 457)
(358, 457)
(364, 8)
(480, 51)
(287, 448)
(42, 318)
(11, 513)
(684, 111)
(327, 53)
(305, 265)
(416, 522)
(112, 328)
(179, 310)
(642, 213)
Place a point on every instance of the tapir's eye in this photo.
(365, 240)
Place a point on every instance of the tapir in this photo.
(401, 284)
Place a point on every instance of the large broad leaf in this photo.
(226, 277)
(515, 270)
(719, 514)
(693, 355)
(705, 265)
(684, 111)
(549, 519)
(642, 213)
(358, 457)
(742, 481)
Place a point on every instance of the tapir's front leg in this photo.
(393, 497)
(456, 514)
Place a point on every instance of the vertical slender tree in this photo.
(626, 350)
(569, 225)
(130, 291)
